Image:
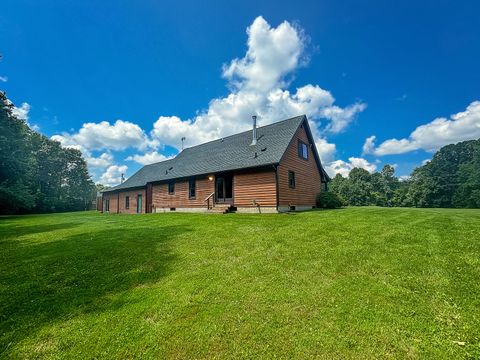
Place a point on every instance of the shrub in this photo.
(328, 200)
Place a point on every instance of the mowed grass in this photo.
(353, 283)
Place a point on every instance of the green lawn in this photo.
(352, 283)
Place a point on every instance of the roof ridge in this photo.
(260, 127)
(225, 137)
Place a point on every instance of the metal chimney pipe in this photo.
(254, 132)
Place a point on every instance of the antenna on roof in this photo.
(183, 139)
(122, 178)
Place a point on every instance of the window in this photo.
(291, 179)
(127, 202)
(192, 188)
(107, 205)
(302, 150)
(171, 188)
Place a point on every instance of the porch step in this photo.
(222, 209)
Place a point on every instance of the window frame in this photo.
(300, 152)
(127, 202)
(291, 176)
(190, 182)
(171, 183)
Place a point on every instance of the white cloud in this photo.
(103, 161)
(3, 78)
(113, 175)
(437, 133)
(258, 84)
(325, 150)
(272, 54)
(369, 145)
(148, 158)
(344, 168)
(22, 111)
(98, 136)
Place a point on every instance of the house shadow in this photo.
(78, 274)
(12, 231)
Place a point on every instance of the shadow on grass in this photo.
(45, 282)
(11, 231)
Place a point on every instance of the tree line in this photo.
(37, 175)
(450, 180)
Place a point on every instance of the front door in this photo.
(139, 204)
(224, 189)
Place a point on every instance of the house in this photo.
(273, 168)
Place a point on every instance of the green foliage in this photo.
(369, 283)
(36, 173)
(362, 188)
(328, 200)
(450, 179)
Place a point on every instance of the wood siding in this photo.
(133, 201)
(113, 202)
(307, 175)
(161, 198)
(117, 201)
(255, 186)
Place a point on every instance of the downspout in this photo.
(118, 202)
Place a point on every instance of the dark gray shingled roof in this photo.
(230, 153)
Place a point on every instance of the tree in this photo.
(450, 179)
(16, 161)
(36, 173)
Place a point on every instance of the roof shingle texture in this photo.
(230, 153)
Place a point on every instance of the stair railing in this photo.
(207, 199)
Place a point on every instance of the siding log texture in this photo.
(307, 175)
(255, 186)
(133, 201)
(161, 199)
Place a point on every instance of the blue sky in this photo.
(168, 69)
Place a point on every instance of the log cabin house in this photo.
(274, 168)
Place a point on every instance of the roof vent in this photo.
(254, 132)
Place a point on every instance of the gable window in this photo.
(291, 179)
(127, 202)
(192, 188)
(302, 150)
(171, 188)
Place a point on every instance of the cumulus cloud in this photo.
(258, 84)
(369, 145)
(344, 168)
(100, 162)
(272, 54)
(103, 135)
(148, 158)
(461, 126)
(113, 175)
(22, 111)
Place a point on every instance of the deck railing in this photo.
(207, 200)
